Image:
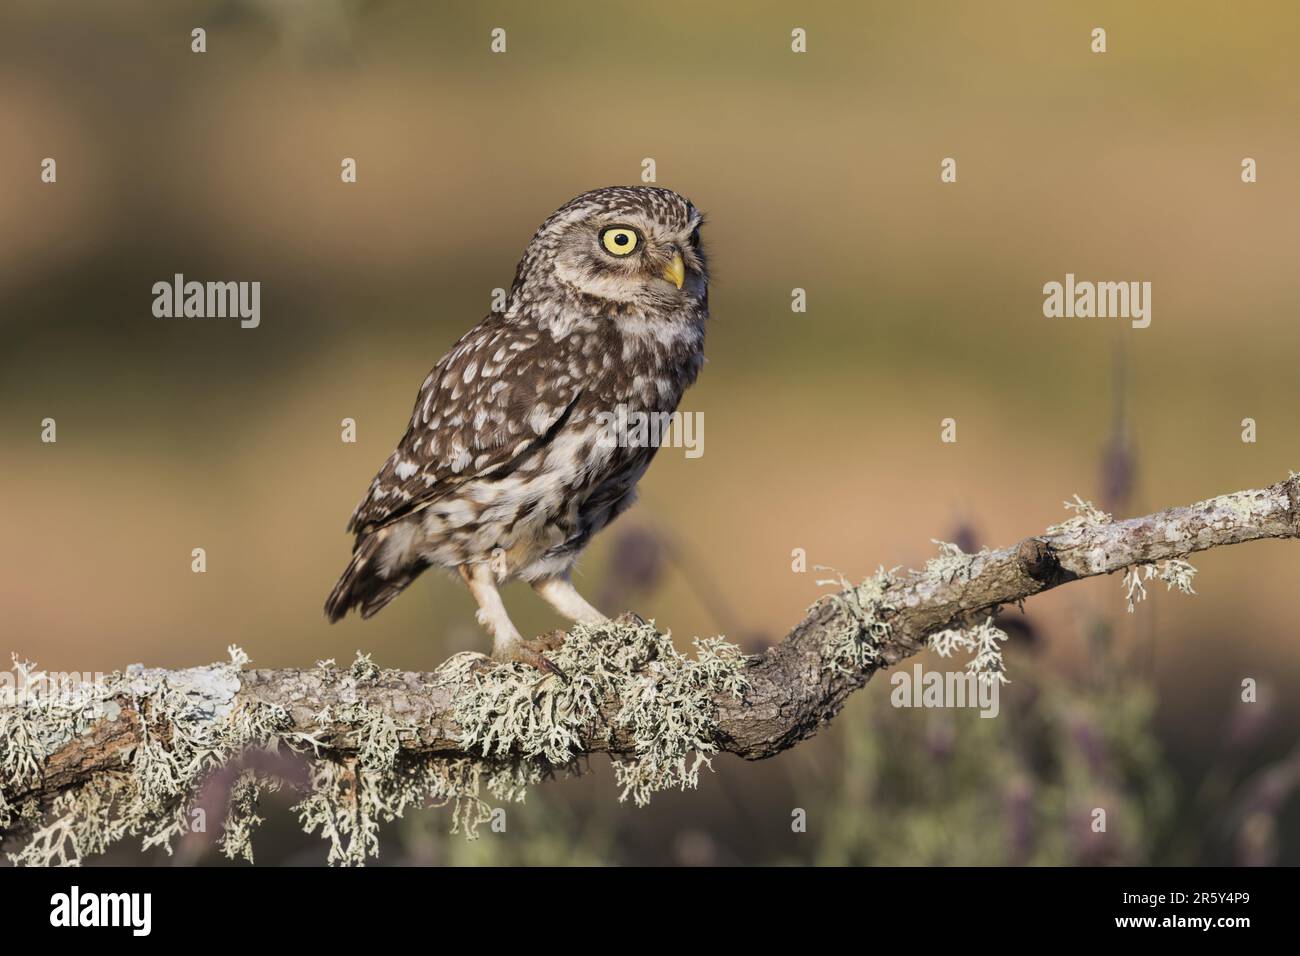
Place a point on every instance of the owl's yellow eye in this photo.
(619, 240)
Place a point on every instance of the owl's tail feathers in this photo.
(364, 584)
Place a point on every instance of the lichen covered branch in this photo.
(129, 755)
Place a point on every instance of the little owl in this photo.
(508, 466)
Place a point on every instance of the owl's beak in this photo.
(675, 271)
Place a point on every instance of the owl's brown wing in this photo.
(498, 394)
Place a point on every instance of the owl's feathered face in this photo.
(626, 245)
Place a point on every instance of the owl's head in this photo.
(630, 245)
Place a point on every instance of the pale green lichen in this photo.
(242, 818)
(952, 564)
(984, 643)
(518, 728)
(668, 706)
(664, 699)
(522, 727)
(1087, 515)
(1174, 572)
(863, 622)
(1242, 508)
(189, 725)
(363, 668)
(20, 747)
(349, 797)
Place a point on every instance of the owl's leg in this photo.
(507, 643)
(560, 594)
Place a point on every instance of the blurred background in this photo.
(818, 171)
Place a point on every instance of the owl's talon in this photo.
(550, 641)
(524, 654)
(549, 666)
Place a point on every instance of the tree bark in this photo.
(792, 691)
